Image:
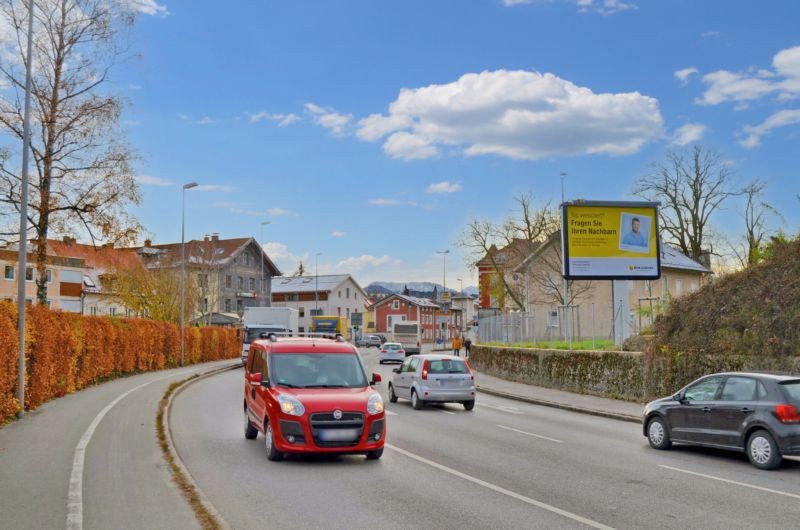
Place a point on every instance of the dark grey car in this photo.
(750, 412)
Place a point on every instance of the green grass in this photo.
(599, 344)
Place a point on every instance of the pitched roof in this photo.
(510, 255)
(310, 284)
(673, 258)
(414, 300)
(211, 252)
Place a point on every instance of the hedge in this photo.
(65, 352)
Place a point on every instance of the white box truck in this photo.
(258, 320)
(408, 334)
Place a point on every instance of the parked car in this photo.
(754, 413)
(391, 351)
(311, 395)
(374, 340)
(433, 378)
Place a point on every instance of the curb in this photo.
(563, 406)
(212, 510)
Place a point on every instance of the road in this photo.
(124, 481)
(503, 465)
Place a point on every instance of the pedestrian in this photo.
(467, 344)
(456, 346)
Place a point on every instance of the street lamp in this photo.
(262, 260)
(460, 285)
(316, 280)
(444, 254)
(183, 260)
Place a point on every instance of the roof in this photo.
(310, 284)
(510, 255)
(208, 252)
(673, 258)
(304, 345)
(413, 300)
(99, 260)
(218, 319)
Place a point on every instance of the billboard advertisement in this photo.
(610, 241)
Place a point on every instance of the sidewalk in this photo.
(597, 406)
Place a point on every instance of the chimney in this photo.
(148, 243)
(109, 245)
(215, 236)
(68, 240)
(205, 238)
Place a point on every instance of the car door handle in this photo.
(746, 410)
(706, 409)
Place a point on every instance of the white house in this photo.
(326, 294)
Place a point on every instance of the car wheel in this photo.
(416, 402)
(376, 454)
(658, 434)
(392, 395)
(762, 450)
(272, 451)
(250, 432)
(469, 405)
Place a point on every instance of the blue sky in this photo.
(292, 112)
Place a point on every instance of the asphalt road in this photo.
(124, 482)
(503, 465)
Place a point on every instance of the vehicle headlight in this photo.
(291, 405)
(375, 404)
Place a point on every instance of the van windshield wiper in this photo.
(325, 386)
(289, 385)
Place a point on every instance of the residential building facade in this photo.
(399, 307)
(64, 279)
(326, 294)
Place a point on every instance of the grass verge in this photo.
(204, 517)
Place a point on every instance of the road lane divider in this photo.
(734, 482)
(499, 489)
(531, 434)
(390, 413)
(503, 408)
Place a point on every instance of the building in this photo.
(467, 304)
(64, 279)
(399, 307)
(326, 294)
(497, 262)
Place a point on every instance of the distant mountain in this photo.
(422, 289)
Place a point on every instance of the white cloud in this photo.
(444, 187)
(710, 34)
(183, 117)
(689, 133)
(205, 120)
(329, 118)
(604, 7)
(685, 74)
(148, 180)
(282, 119)
(517, 114)
(755, 83)
(148, 7)
(278, 212)
(247, 209)
(391, 202)
(779, 119)
(358, 263)
(215, 187)
(337, 233)
(286, 260)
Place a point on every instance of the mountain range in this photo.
(416, 288)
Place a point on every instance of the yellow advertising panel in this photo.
(611, 240)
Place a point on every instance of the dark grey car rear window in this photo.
(793, 389)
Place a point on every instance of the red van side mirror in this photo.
(255, 378)
(376, 378)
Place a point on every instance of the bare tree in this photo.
(691, 187)
(546, 274)
(82, 178)
(300, 271)
(755, 215)
(524, 229)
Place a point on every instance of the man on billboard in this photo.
(636, 238)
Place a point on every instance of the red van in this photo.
(311, 395)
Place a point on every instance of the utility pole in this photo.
(23, 215)
(183, 262)
(261, 258)
(316, 281)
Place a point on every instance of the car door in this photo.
(737, 402)
(400, 380)
(690, 418)
(257, 392)
(412, 375)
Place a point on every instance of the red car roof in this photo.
(308, 345)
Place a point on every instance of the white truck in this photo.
(407, 333)
(258, 320)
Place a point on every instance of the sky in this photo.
(369, 133)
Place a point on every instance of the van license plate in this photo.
(338, 435)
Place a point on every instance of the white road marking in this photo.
(504, 408)
(445, 411)
(75, 492)
(390, 413)
(751, 486)
(498, 489)
(530, 434)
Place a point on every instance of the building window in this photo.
(239, 283)
(348, 312)
(228, 281)
(395, 304)
(340, 294)
(552, 319)
(49, 275)
(348, 292)
(29, 274)
(9, 272)
(302, 311)
(112, 311)
(239, 306)
(355, 296)
(205, 305)
(678, 287)
(227, 306)
(202, 279)
(339, 311)
(252, 284)
(301, 329)
(291, 297)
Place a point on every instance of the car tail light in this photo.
(471, 375)
(425, 369)
(787, 413)
(401, 351)
(383, 351)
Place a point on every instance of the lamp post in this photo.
(262, 261)
(444, 254)
(23, 215)
(185, 187)
(460, 285)
(316, 280)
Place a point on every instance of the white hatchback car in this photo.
(434, 379)
(391, 351)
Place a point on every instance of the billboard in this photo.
(610, 241)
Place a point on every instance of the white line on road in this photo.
(390, 413)
(530, 434)
(445, 411)
(504, 408)
(75, 492)
(768, 490)
(498, 489)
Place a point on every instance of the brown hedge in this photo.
(66, 352)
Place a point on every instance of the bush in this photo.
(65, 352)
